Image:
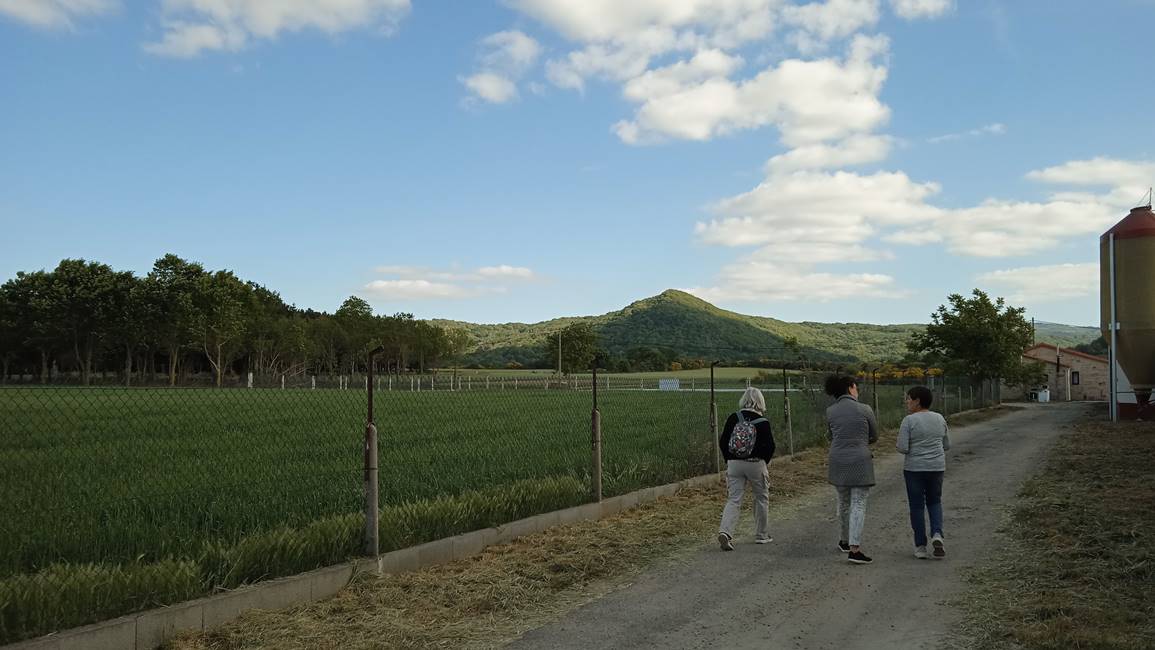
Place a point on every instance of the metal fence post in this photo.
(596, 443)
(714, 423)
(786, 410)
(874, 388)
(372, 512)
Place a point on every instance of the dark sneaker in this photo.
(858, 557)
(939, 546)
(843, 547)
(725, 541)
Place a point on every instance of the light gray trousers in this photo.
(852, 512)
(738, 474)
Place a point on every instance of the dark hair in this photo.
(839, 385)
(922, 394)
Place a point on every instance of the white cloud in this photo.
(195, 26)
(418, 290)
(854, 150)
(1036, 284)
(839, 207)
(55, 14)
(419, 282)
(491, 87)
(512, 51)
(506, 271)
(618, 40)
(1100, 171)
(729, 22)
(766, 282)
(914, 9)
(808, 101)
(508, 55)
(999, 228)
(822, 22)
(990, 129)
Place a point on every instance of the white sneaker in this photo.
(920, 552)
(763, 540)
(939, 546)
(725, 541)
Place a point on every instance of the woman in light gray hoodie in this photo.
(923, 438)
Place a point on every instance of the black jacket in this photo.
(763, 446)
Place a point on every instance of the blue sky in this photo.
(518, 160)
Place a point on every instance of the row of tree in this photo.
(83, 318)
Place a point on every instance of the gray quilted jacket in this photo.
(851, 427)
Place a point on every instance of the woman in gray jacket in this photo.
(923, 438)
(851, 427)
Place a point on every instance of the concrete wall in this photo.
(150, 629)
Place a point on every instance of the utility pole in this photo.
(559, 353)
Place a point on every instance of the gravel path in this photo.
(798, 592)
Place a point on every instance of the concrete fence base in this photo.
(150, 629)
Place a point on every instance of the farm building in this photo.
(1071, 375)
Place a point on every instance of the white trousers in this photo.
(738, 474)
(852, 513)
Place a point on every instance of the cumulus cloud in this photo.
(989, 129)
(491, 87)
(55, 14)
(1050, 283)
(808, 101)
(766, 282)
(421, 282)
(195, 26)
(419, 290)
(857, 149)
(819, 23)
(1100, 171)
(506, 271)
(506, 57)
(915, 9)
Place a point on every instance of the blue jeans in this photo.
(924, 490)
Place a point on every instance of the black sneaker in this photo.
(725, 541)
(843, 547)
(858, 557)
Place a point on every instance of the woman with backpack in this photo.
(747, 444)
(851, 428)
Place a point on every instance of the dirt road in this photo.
(798, 592)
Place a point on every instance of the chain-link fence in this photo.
(120, 499)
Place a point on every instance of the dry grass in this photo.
(1077, 569)
(510, 588)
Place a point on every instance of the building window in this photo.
(1075, 378)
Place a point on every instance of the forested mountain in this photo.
(679, 326)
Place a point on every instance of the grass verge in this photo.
(509, 588)
(1076, 569)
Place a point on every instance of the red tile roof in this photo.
(1066, 352)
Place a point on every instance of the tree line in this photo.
(84, 319)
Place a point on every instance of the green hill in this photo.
(689, 327)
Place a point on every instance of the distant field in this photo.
(729, 374)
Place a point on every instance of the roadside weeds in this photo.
(1076, 568)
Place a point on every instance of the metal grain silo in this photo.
(1126, 273)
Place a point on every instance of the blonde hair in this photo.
(752, 400)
